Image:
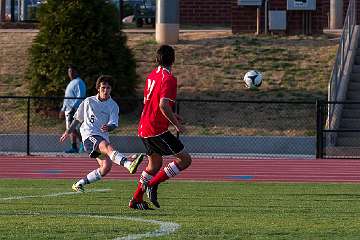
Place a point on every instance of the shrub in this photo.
(86, 34)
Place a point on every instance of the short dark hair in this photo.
(103, 79)
(165, 55)
(72, 66)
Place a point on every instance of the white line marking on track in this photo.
(53, 194)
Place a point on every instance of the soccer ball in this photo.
(253, 79)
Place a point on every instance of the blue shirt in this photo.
(75, 88)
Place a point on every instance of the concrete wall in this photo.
(253, 145)
(342, 89)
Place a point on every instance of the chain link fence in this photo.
(243, 128)
(250, 128)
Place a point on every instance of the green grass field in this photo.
(46, 209)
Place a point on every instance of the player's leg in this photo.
(97, 145)
(69, 117)
(171, 170)
(137, 202)
(121, 159)
(105, 165)
(73, 141)
(91, 145)
(96, 175)
(154, 164)
(79, 138)
(183, 161)
(170, 146)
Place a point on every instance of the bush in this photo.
(86, 34)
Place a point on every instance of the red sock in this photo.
(171, 170)
(159, 177)
(139, 193)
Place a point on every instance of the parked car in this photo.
(144, 13)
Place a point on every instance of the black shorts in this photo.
(165, 144)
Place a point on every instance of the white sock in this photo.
(127, 164)
(119, 159)
(145, 178)
(171, 170)
(81, 182)
(91, 177)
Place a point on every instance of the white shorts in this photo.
(69, 117)
(91, 146)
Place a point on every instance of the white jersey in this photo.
(94, 113)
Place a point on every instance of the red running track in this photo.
(202, 169)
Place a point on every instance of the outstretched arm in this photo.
(108, 127)
(72, 127)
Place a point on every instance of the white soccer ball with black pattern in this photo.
(253, 79)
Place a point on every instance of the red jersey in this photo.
(159, 84)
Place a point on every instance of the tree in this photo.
(86, 34)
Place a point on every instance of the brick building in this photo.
(209, 12)
(243, 18)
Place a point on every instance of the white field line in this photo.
(53, 194)
(165, 228)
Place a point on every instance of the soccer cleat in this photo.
(78, 188)
(139, 205)
(72, 150)
(151, 193)
(135, 163)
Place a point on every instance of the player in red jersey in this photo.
(157, 115)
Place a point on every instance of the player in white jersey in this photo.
(99, 115)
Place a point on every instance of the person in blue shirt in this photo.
(75, 89)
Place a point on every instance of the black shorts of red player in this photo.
(165, 144)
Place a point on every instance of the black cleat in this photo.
(139, 205)
(151, 193)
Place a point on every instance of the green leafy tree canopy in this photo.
(86, 34)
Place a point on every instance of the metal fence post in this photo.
(319, 129)
(28, 127)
